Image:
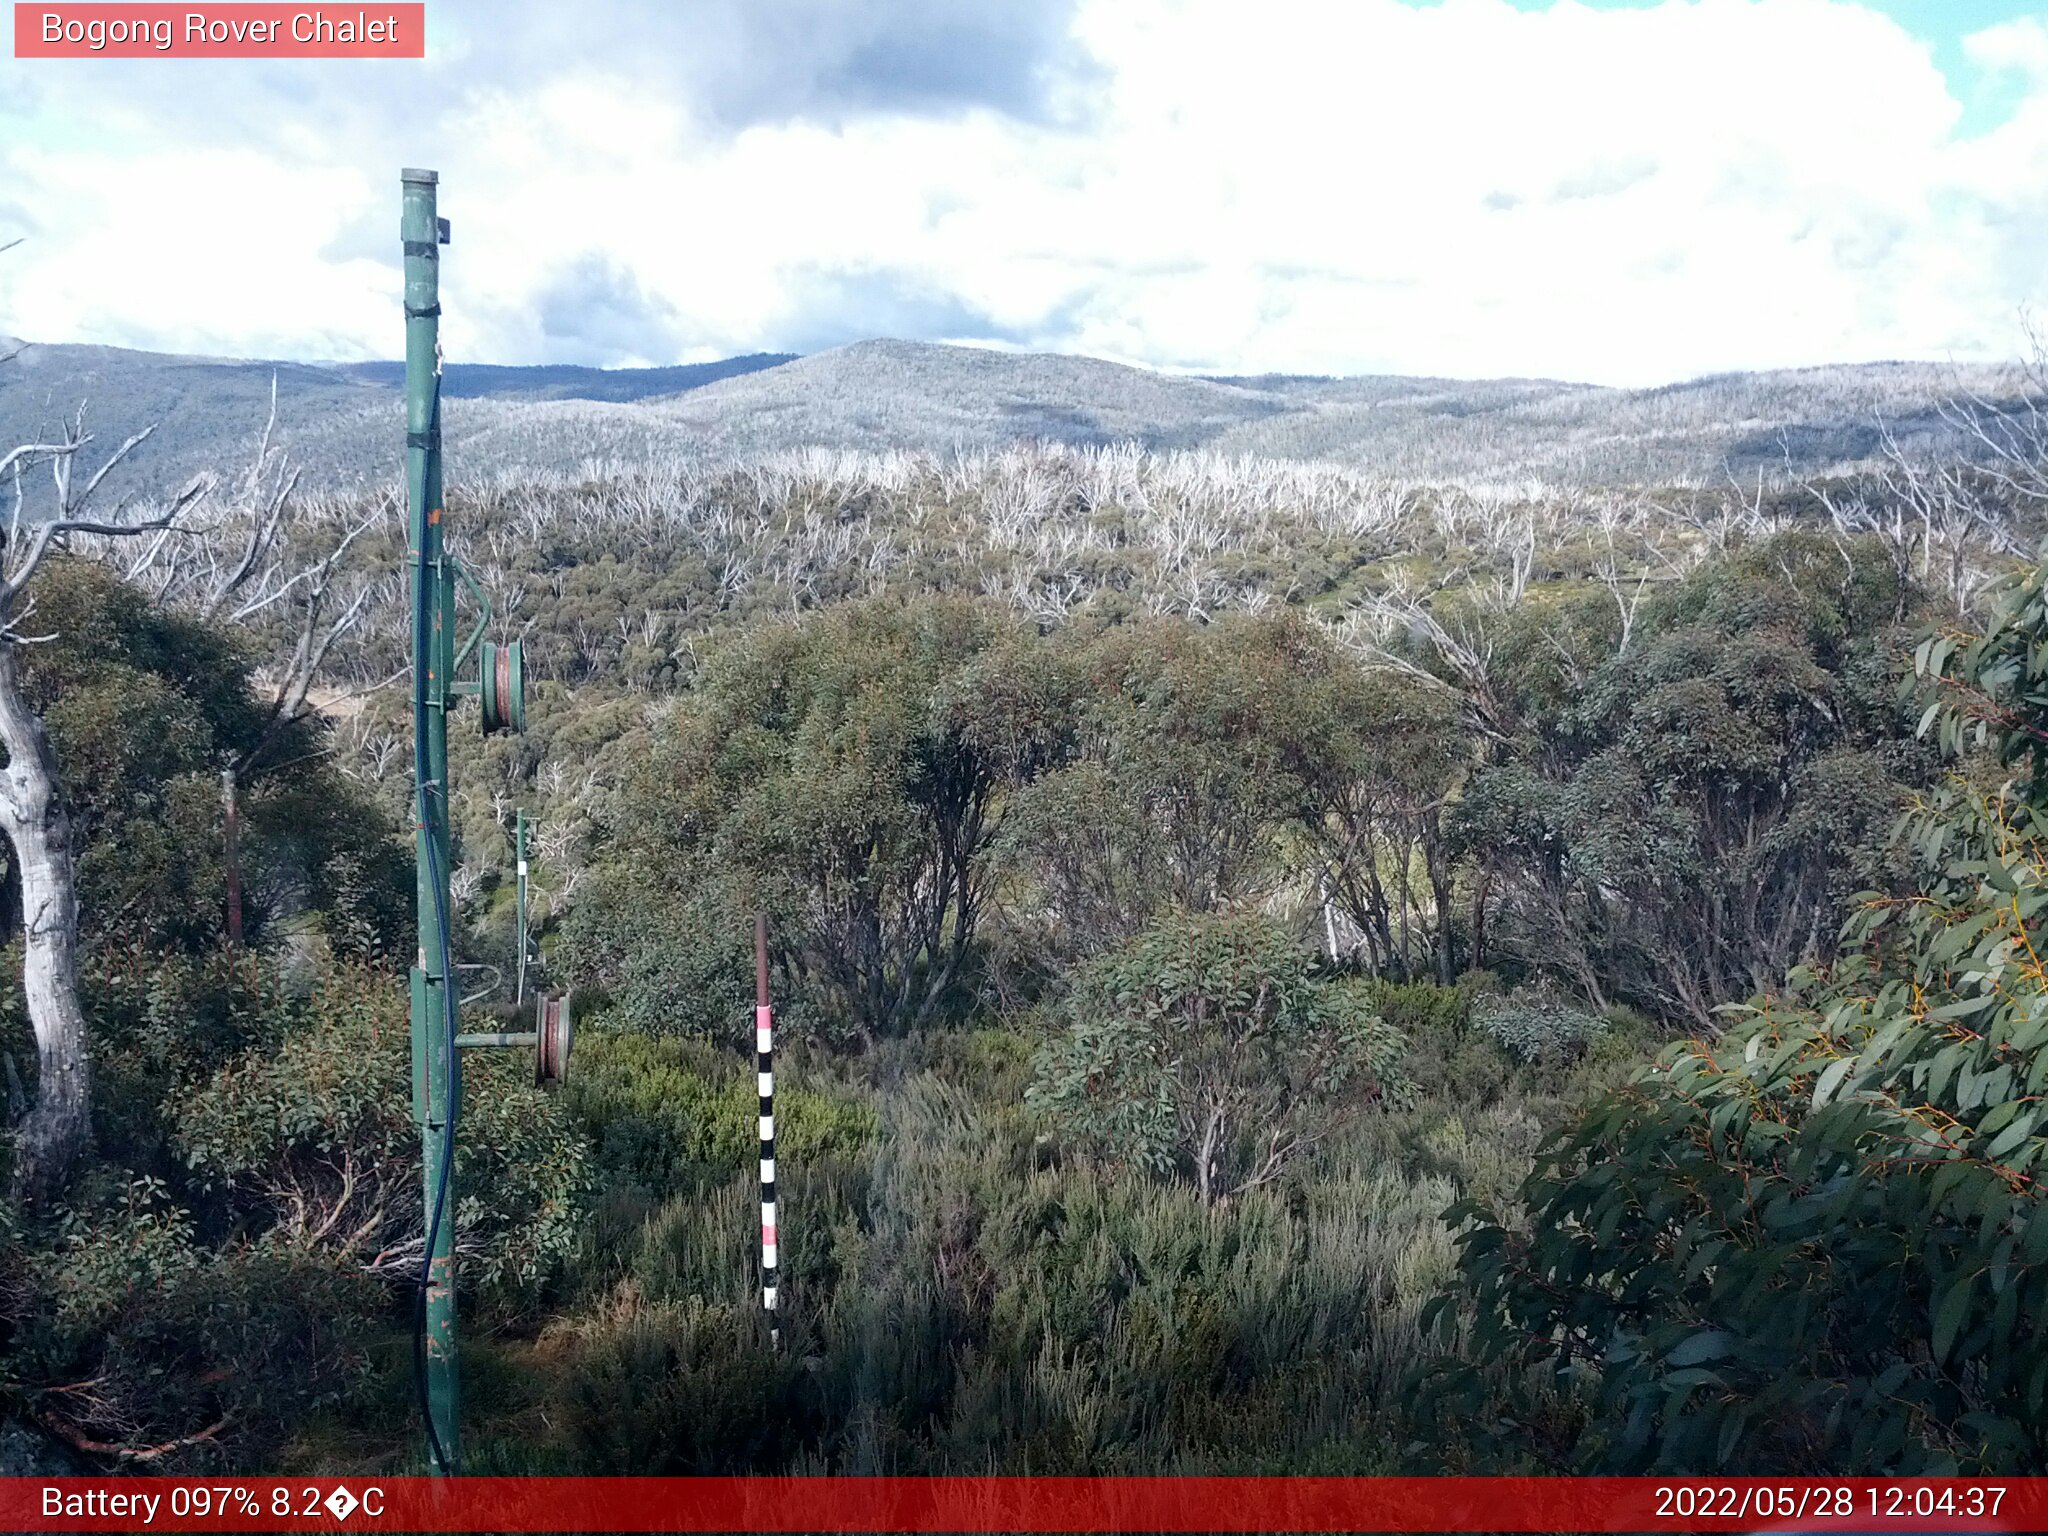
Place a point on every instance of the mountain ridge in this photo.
(342, 421)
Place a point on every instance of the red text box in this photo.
(236, 31)
(1678, 1505)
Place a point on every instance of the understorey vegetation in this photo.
(1276, 972)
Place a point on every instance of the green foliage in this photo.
(1817, 1244)
(153, 1310)
(145, 708)
(1691, 819)
(668, 1115)
(954, 1302)
(1536, 1026)
(1991, 690)
(674, 1388)
(308, 1145)
(1381, 759)
(945, 808)
(666, 963)
(1421, 1009)
(842, 771)
(1208, 1047)
(126, 1328)
(1191, 745)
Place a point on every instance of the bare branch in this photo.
(105, 469)
(27, 453)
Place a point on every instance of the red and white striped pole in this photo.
(764, 1067)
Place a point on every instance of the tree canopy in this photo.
(1819, 1243)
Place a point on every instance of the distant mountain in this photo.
(884, 394)
(344, 423)
(562, 381)
(891, 394)
(207, 411)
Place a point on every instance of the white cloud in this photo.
(1308, 185)
(2019, 45)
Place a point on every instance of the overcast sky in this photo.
(1617, 192)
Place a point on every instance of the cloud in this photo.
(2019, 46)
(597, 312)
(1332, 186)
(831, 308)
(16, 221)
(1603, 179)
(827, 61)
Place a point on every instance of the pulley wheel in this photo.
(556, 1030)
(501, 687)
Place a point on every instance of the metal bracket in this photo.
(483, 617)
(511, 1037)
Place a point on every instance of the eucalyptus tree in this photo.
(32, 807)
(1208, 1047)
(1196, 749)
(848, 770)
(261, 559)
(1684, 821)
(1819, 1243)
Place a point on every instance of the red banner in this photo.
(239, 31)
(977, 1504)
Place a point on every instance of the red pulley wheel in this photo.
(501, 687)
(555, 1029)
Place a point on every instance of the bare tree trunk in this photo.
(52, 1135)
(1437, 867)
(1205, 1172)
(1401, 891)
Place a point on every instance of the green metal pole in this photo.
(433, 654)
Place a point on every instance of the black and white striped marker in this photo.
(764, 1068)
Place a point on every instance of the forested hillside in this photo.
(1285, 969)
(1526, 435)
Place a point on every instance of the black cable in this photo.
(422, 610)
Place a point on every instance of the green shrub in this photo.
(310, 1144)
(126, 1330)
(1421, 1009)
(1536, 1026)
(670, 1114)
(669, 965)
(1208, 1046)
(844, 771)
(678, 1388)
(1817, 1243)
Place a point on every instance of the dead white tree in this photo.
(268, 562)
(1952, 517)
(49, 1138)
(1461, 638)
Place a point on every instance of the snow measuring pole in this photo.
(519, 913)
(500, 690)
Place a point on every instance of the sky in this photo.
(1625, 192)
